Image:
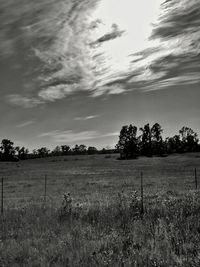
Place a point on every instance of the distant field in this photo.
(96, 177)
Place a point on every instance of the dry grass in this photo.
(90, 178)
(168, 234)
(103, 225)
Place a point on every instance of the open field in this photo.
(90, 178)
(102, 224)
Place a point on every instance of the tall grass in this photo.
(168, 233)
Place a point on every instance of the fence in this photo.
(42, 189)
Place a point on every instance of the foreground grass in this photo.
(115, 234)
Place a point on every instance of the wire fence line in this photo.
(40, 189)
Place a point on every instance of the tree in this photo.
(173, 144)
(157, 141)
(92, 150)
(23, 153)
(146, 141)
(80, 149)
(43, 152)
(56, 151)
(128, 142)
(35, 153)
(189, 139)
(7, 149)
(65, 149)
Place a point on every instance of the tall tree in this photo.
(146, 140)
(128, 142)
(189, 139)
(7, 149)
(157, 140)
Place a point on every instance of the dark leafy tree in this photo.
(35, 153)
(23, 153)
(92, 150)
(43, 152)
(128, 142)
(57, 151)
(7, 149)
(157, 140)
(65, 149)
(146, 141)
(189, 139)
(79, 149)
(173, 144)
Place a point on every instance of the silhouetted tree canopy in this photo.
(92, 150)
(151, 142)
(130, 145)
(128, 142)
(7, 150)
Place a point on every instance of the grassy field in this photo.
(101, 224)
(94, 178)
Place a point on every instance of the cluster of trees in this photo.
(130, 145)
(65, 150)
(8, 152)
(150, 142)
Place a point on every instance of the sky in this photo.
(74, 72)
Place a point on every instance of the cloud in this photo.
(70, 136)
(173, 54)
(62, 55)
(51, 38)
(109, 89)
(178, 18)
(56, 92)
(24, 124)
(115, 33)
(22, 101)
(87, 118)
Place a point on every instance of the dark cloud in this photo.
(115, 33)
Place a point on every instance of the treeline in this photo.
(133, 142)
(150, 141)
(8, 152)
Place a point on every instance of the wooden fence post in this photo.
(195, 178)
(45, 188)
(2, 196)
(142, 195)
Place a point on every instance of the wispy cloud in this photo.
(23, 101)
(55, 34)
(86, 118)
(70, 136)
(115, 33)
(56, 92)
(170, 58)
(76, 51)
(26, 123)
